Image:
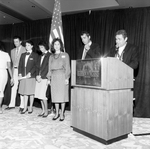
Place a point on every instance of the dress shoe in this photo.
(44, 116)
(23, 112)
(55, 118)
(30, 112)
(40, 115)
(62, 119)
(20, 109)
(9, 108)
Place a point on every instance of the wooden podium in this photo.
(102, 99)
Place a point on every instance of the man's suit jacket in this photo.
(93, 52)
(130, 55)
(31, 64)
(15, 60)
(42, 69)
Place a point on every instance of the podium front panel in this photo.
(88, 72)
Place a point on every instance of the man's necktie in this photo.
(17, 50)
(120, 56)
(84, 54)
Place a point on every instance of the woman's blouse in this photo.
(4, 58)
(59, 62)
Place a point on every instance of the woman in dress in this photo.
(5, 63)
(41, 79)
(27, 72)
(58, 75)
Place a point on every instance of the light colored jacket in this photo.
(16, 57)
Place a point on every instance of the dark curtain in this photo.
(102, 26)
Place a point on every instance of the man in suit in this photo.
(89, 49)
(15, 57)
(124, 51)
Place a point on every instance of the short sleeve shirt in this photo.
(4, 58)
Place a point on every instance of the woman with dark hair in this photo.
(41, 79)
(5, 63)
(58, 75)
(27, 72)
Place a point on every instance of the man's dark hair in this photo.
(17, 37)
(85, 32)
(122, 32)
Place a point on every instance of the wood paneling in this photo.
(105, 114)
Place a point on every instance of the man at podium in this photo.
(124, 51)
(89, 49)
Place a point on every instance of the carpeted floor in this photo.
(28, 131)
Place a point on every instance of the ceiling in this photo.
(16, 11)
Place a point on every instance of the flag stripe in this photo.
(56, 26)
(61, 35)
(56, 34)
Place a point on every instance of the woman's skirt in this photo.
(40, 89)
(59, 90)
(27, 86)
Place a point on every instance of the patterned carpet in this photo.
(28, 131)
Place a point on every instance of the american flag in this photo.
(56, 26)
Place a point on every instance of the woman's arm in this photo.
(67, 69)
(49, 68)
(67, 72)
(10, 73)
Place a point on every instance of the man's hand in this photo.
(87, 47)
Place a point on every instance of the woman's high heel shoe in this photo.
(30, 112)
(23, 112)
(40, 115)
(62, 119)
(44, 116)
(55, 118)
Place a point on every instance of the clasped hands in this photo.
(38, 78)
(25, 77)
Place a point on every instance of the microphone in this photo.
(117, 47)
(117, 51)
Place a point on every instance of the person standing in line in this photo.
(89, 49)
(15, 57)
(5, 64)
(41, 79)
(58, 75)
(27, 74)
